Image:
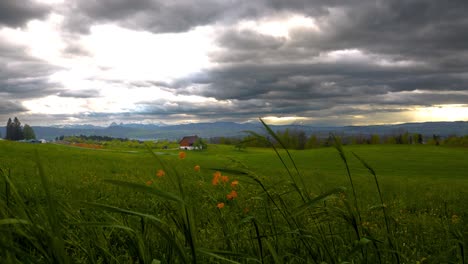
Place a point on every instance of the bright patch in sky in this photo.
(448, 112)
(285, 120)
(279, 27)
(135, 55)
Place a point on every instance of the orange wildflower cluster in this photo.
(216, 177)
(231, 195)
(224, 179)
(220, 205)
(182, 155)
(196, 168)
(149, 182)
(234, 184)
(160, 173)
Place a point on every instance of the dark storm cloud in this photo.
(299, 81)
(15, 13)
(409, 53)
(181, 15)
(10, 107)
(156, 16)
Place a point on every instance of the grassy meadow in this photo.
(398, 204)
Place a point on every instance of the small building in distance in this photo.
(187, 143)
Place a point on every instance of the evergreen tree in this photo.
(28, 132)
(17, 130)
(9, 131)
(14, 130)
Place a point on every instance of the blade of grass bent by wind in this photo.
(58, 244)
(14, 221)
(274, 254)
(146, 189)
(286, 214)
(340, 150)
(273, 134)
(161, 163)
(296, 187)
(371, 171)
(387, 225)
(214, 254)
(162, 227)
(300, 209)
(123, 211)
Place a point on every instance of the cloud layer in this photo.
(321, 62)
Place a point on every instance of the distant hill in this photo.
(231, 129)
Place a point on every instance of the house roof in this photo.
(188, 141)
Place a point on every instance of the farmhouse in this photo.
(188, 142)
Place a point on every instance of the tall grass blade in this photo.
(340, 150)
(146, 189)
(274, 254)
(57, 242)
(275, 136)
(14, 221)
(217, 255)
(387, 225)
(302, 208)
(259, 239)
(162, 227)
(7, 184)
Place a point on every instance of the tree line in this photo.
(14, 130)
(298, 139)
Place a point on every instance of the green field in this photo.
(76, 213)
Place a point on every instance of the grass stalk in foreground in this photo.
(390, 235)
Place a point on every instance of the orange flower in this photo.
(182, 155)
(160, 173)
(234, 193)
(224, 179)
(196, 168)
(220, 205)
(216, 177)
(149, 182)
(231, 195)
(234, 183)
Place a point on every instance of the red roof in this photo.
(188, 141)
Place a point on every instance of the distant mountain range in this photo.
(231, 129)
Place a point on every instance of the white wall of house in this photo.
(189, 148)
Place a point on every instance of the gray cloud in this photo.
(22, 76)
(14, 13)
(401, 54)
(414, 56)
(182, 15)
(10, 107)
(82, 93)
(26, 79)
(156, 16)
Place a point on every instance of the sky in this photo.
(322, 62)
